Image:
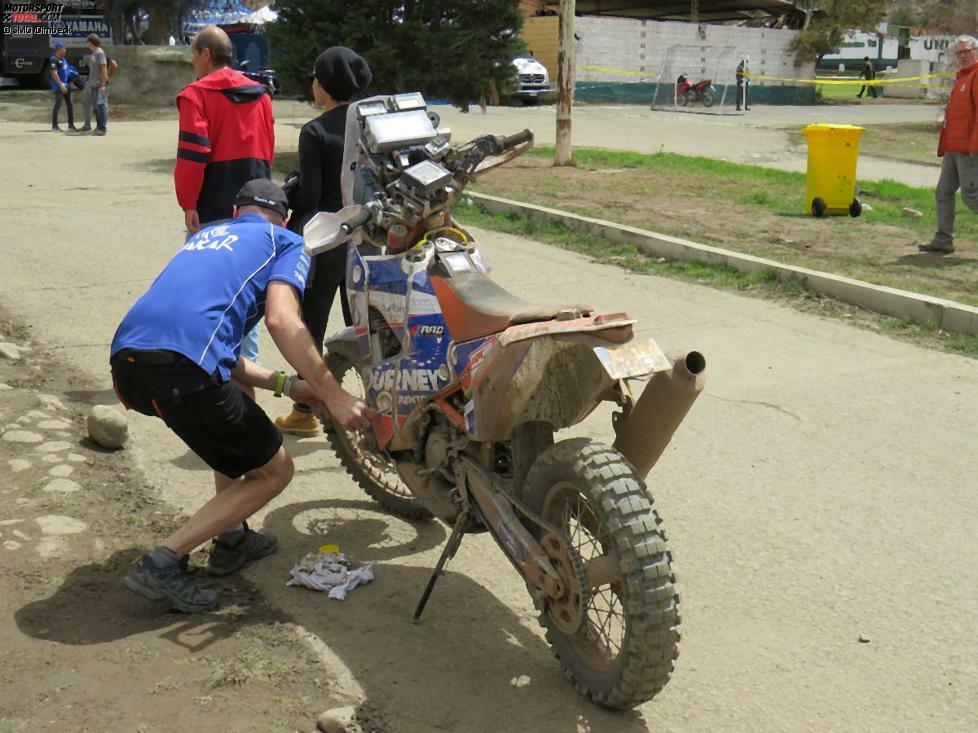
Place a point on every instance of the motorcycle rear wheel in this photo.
(682, 98)
(374, 472)
(624, 651)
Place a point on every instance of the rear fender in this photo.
(556, 377)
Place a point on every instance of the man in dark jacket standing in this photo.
(227, 134)
(959, 148)
(339, 75)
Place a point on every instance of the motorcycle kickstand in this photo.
(451, 547)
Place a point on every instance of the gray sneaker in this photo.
(173, 584)
(936, 248)
(230, 555)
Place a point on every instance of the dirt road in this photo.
(820, 502)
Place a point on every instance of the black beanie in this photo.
(342, 73)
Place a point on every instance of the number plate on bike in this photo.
(635, 359)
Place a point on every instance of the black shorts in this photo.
(216, 420)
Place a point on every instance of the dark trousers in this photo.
(873, 92)
(328, 275)
(58, 99)
(743, 91)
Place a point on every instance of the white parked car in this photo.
(533, 80)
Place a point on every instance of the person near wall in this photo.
(958, 145)
(743, 84)
(339, 75)
(868, 73)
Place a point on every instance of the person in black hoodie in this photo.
(339, 75)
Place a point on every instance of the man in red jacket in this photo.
(227, 135)
(959, 146)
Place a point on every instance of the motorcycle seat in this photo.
(475, 306)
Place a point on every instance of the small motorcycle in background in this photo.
(701, 91)
(266, 77)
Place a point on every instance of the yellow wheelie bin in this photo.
(831, 184)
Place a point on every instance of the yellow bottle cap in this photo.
(329, 548)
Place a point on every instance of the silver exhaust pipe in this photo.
(642, 436)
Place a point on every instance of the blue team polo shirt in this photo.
(213, 292)
(63, 69)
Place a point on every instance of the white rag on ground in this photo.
(330, 572)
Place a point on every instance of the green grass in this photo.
(627, 256)
(755, 210)
(888, 197)
(765, 283)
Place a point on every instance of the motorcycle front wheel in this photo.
(708, 97)
(621, 647)
(374, 472)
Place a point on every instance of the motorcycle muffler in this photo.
(644, 433)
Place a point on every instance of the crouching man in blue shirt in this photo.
(176, 356)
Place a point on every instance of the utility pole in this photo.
(565, 82)
(694, 11)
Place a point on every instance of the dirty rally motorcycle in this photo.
(471, 384)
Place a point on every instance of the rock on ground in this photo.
(9, 350)
(22, 436)
(339, 720)
(58, 524)
(108, 427)
(62, 486)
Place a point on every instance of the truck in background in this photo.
(29, 30)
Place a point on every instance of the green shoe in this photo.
(233, 550)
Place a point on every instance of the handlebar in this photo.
(365, 215)
(511, 141)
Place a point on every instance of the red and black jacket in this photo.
(227, 138)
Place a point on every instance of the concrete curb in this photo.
(947, 314)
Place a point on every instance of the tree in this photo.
(950, 16)
(459, 49)
(828, 22)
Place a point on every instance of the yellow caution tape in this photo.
(850, 82)
(901, 80)
(615, 71)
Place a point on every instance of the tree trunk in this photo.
(565, 83)
(160, 22)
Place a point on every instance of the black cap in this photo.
(262, 192)
(342, 73)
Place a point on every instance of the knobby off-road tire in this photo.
(613, 507)
(375, 473)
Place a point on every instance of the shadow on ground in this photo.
(473, 664)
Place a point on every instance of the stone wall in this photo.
(150, 75)
(653, 51)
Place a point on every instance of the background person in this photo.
(743, 84)
(958, 145)
(176, 356)
(60, 78)
(868, 73)
(226, 138)
(98, 80)
(339, 75)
